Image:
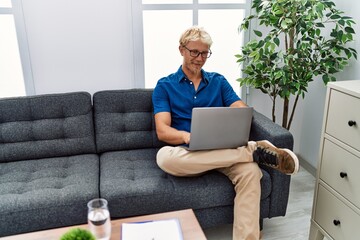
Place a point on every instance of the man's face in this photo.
(194, 64)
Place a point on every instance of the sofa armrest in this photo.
(262, 128)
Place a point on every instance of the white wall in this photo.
(79, 45)
(307, 125)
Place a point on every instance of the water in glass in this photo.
(99, 219)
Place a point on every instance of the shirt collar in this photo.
(181, 75)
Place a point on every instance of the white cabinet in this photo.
(336, 209)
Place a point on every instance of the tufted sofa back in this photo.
(124, 120)
(46, 126)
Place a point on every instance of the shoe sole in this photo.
(293, 156)
(296, 160)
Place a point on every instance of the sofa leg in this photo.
(261, 222)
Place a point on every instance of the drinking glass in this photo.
(99, 218)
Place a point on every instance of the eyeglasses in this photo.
(196, 53)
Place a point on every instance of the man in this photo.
(173, 99)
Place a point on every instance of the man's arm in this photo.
(168, 134)
(238, 103)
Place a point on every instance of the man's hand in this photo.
(238, 103)
(186, 137)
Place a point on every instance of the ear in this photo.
(181, 50)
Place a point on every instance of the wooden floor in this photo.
(294, 226)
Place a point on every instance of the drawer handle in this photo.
(343, 174)
(336, 222)
(351, 123)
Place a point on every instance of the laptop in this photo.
(220, 127)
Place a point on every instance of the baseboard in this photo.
(308, 167)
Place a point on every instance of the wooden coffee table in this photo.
(189, 224)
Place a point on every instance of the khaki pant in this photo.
(237, 165)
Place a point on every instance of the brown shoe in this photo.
(281, 159)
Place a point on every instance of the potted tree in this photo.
(304, 39)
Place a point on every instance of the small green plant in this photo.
(304, 39)
(78, 234)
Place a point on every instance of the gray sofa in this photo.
(58, 151)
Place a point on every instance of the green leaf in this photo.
(344, 38)
(253, 54)
(319, 24)
(341, 22)
(239, 79)
(272, 47)
(258, 33)
(339, 35)
(349, 22)
(329, 4)
(354, 53)
(244, 26)
(288, 21)
(284, 24)
(335, 16)
(320, 7)
(348, 53)
(260, 44)
(349, 30)
(349, 36)
(278, 12)
(277, 41)
(264, 4)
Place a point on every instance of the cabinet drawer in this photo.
(340, 170)
(330, 209)
(342, 109)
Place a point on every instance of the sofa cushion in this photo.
(46, 193)
(46, 126)
(133, 184)
(124, 120)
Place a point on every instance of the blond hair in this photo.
(193, 34)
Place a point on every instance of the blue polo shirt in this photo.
(176, 94)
